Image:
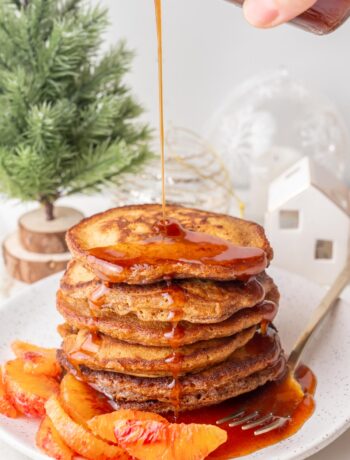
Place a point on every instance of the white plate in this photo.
(32, 316)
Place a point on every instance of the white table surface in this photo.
(338, 450)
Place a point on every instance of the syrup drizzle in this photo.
(98, 296)
(173, 244)
(269, 310)
(176, 298)
(172, 296)
(174, 362)
(87, 345)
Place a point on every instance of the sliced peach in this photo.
(153, 440)
(6, 407)
(82, 402)
(80, 439)
(37, 360)
(28, 392)
(103, 425)
(49, 441)
(64, 330)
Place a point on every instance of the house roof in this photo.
(302, 175)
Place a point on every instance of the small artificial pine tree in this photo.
(67, 121)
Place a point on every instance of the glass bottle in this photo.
(322, 18)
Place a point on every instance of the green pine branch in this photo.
(68, 122)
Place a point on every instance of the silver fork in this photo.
(265, 423)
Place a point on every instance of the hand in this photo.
(271, 13)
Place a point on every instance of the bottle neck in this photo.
(324, 17)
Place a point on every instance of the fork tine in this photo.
(277, 423)
(242, 420)
(258, 422)
(230, 417)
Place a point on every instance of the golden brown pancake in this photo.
(127, 227)
(101, 352)
(202, 301)
(232, 390)
(259, 361)
(130, 329)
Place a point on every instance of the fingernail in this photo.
(260, 13)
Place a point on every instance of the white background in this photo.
(208, 51)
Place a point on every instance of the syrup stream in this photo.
(158, 9)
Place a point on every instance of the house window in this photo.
(289, 219)
(324, 250)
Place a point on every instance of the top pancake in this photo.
(132, 225)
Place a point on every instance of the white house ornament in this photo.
(308, 221)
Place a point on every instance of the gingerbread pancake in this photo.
(101, 352)
(133, 245)
(259, 361)
(130, 328)
(198, 301)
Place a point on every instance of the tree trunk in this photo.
(49, 210)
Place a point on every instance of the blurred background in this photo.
(209, 49)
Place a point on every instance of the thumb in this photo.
(270, 13)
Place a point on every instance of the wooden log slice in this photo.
(27, 266)
(47, 237)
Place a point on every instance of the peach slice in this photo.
(28, 392)
(50, 442)
(6, 407)
(153, 440)
(82, 402)
(80, 439)
(103, 425)
(37, 360)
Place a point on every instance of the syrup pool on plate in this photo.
(282, 398)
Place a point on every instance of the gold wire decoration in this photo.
(195, 176)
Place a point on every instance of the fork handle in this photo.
(327, 303)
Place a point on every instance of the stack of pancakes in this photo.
(150, 343)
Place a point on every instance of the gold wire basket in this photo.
(196, 176)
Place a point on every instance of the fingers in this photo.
(270, 13)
